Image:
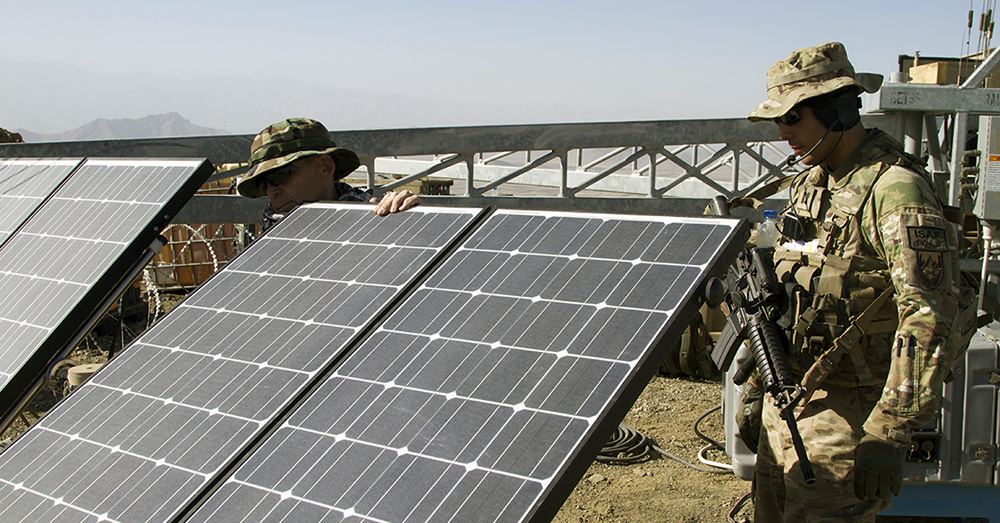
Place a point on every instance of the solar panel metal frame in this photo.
(101, 292)
(63, 414)
(548, 501)
(16, 177)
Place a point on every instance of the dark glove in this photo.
(749, 413)
(878, 468)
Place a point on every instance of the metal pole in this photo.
(913, 132)
(370, 166)
(736, 168)
(469, 178)
(933, 143)
(760, 166)
(988, 230)
(960, 131)
(652, 171)
(563, 182)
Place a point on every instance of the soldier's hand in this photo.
(878, 468)
(395, 202)
(748, 414)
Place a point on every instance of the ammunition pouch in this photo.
(827, 294)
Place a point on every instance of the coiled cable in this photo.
(626, 446)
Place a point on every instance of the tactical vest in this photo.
(840, 292)
(838, 281)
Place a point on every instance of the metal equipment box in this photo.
(959, 446)
(987, 205)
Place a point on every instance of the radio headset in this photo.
(837, 112)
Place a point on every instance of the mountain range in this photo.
(152, 126)
(49, 98)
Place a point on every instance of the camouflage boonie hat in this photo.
(808, 73)
(287, 141)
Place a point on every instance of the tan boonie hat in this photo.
(808, 73)
(287, 141)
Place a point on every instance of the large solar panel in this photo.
(144, 437)
(486, 395)
(24, 186)
(75, 250)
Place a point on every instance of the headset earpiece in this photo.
(847, 106)
(839, 111)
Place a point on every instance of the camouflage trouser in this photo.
(830, 425)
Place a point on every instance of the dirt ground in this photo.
(662, 489)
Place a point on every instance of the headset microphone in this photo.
(838, 111)
(794, 159)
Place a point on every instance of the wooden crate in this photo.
(932, 73)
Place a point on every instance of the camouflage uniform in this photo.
(903, 242)
(873, 227)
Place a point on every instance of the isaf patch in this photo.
(929, 244)
(927, 239)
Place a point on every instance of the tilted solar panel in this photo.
(24, 186)
(150, 431)
(487, 394)
(65, 262)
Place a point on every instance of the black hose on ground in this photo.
(625, 447)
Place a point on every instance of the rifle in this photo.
(755, 300)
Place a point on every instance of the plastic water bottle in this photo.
(767, 231)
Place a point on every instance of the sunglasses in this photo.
(276, 177)
(792, 117)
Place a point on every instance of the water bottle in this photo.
(767, 231)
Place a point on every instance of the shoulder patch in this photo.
(927, 239)
(930, 266)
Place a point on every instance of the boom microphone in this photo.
(793, 159)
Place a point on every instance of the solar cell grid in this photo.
(24, 185)
(158, 423)
(473, 399)
(62, 262)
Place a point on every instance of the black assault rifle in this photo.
(755, 300)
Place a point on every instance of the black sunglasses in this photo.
(792, 117)
(276, 177)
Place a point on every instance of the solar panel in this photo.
(64, 263)
(150, 431)
(24, 185)
(486, 395)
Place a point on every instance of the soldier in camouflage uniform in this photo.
(868, 328)
(295, 161)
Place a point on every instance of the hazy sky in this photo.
(659, 59)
